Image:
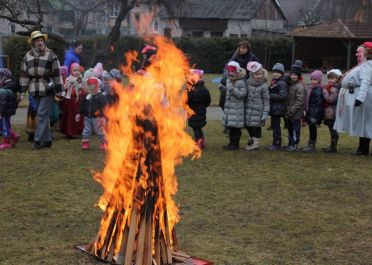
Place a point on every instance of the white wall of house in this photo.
(270, 25)
(238, 27)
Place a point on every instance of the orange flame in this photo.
(159, 96)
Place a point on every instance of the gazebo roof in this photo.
(340, 29)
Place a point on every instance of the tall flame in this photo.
(149, 116)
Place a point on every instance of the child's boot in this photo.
(254, 146)
(103, 145)
(309, 148)
(85, 144)
(332, 148)
(15, 138)
(5, 144)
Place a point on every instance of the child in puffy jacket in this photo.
(198, 99)
(314, 109)
(278, 91)
(92, 108)
(330, 95)
(8, 106)
(257, 104)
(233, 114)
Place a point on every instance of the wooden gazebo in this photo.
(330, 44)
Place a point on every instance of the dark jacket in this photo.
(92, 107)
(315, 109)
(278, 96)
(198, 99)
(244, 59)
(8, 98)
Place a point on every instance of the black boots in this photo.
(332, 148)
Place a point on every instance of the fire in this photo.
(146, 141)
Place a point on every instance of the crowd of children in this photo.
(249, 101)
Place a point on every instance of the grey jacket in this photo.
(257, 103)
(233, 114)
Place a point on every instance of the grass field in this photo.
(237, 208)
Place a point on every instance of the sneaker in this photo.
(36, 146)
(85, 145)
(291, 148)
(46, 144)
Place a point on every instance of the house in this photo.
(222, 18)
(330, 44)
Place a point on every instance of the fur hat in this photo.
(232, 67)
(296, 68)
(317, 75)
(278, 67)
(254, 66)
(89, 73)
(98, 69)
(115, 73)
(106, 75)
(335, 72)
(198, 72)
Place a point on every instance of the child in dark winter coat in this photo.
(8, 106)
(198, 99)
(278, 91)
(295, 107)
(330, 95)
(314, 108)
(92, 108)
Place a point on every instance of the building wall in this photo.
(238, 28)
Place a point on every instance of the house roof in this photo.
(340, 29)
(291, 9)
(216, 9)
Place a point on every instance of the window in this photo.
(197, 34)
(12, 28)
(243, 35)
(114, 12)
(216, 33)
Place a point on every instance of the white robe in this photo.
(356, 121)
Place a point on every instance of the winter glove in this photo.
(264, 116)
(358, 103)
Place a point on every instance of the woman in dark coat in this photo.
(198, 99)
(242, 56)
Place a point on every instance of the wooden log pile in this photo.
(140, 234)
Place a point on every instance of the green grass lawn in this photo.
(237, 208)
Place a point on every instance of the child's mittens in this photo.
(264, 117)
(77, 117)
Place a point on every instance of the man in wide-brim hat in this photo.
(40, 75)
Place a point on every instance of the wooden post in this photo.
(131, 237)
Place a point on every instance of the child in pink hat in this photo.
(314, 108)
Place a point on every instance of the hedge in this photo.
(209, 54)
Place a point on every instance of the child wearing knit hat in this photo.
(330, 95)
(278, 91)
(92, 109)
(295, 106)
(314, 108)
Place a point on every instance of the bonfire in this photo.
(146, 140)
